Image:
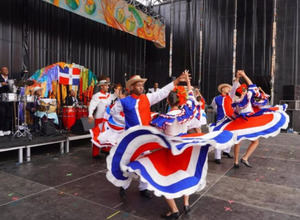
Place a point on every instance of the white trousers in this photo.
(142, 186)
(218, 152)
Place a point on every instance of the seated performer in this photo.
(44, 107)
(32, 107)
(71, 99)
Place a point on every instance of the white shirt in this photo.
(152, 97)
(99, 103)
(175, 128)
(151, 90)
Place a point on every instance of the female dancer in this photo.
(248, 124)
(172, 165)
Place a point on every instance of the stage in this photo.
(10, 143)
(74, 186)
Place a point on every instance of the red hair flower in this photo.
(181, 94)
(241, 89)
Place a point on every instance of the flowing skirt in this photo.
(172, 166)
(264, 123)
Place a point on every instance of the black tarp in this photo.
(288, 48)
(35, 34)
(216, 19)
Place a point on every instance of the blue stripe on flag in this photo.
(64, 70)
(75, 82)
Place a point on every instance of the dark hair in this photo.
(173, 99)
(182, 83)
(116, 85)
(238, 94)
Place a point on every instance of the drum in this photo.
(9, 97)
(27, 98)
(68, 116)
(11, 86)
(81, 111)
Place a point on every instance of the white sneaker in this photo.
(6, 132)
(1, 133)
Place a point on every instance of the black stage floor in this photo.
(74, 186)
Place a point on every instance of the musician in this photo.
(97, 109)
(5, 109)
(33, 108)
(98, 87)
(71, 99)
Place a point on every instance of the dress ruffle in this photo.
(172, 166)
(265, 123)
(108, 134)
(187, 113)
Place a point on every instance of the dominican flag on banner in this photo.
(69, 76)
(75, 76)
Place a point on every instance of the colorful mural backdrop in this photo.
(119, 15)
(59, 78)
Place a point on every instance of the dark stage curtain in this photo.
(184, 18)
(216, 19)
(217, 45)
(254, 40)
(34, 34)
(287, 52)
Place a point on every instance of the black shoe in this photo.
(146, 193)
(169, 215)
(106, 153)
(228, 155)
(186, 209)
(246, 163)
(217, 161)
(122, 193)
(236, 165)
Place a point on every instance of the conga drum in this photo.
(79, 112)
(85, 111)
(82, 111)
(68, 116)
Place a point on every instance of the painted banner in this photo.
(59, 78)
(119, 15)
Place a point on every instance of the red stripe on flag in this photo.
(63, 80)
(76, 71)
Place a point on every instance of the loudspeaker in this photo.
(82, 126)
(294, 119)
(210, 115)
(48, 128)
(291, 92)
